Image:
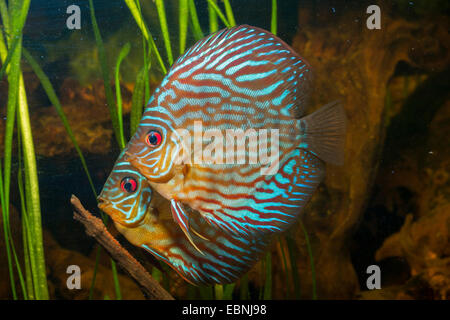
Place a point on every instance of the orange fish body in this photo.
(217, 257)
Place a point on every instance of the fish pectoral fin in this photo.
(181, 217)
(199, 235)
(185, 170)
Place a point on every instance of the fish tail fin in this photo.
(323, 133)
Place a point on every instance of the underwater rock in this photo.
(354, 64)
(424, 239)
(425, 244)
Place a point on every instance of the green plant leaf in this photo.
(311, 261)
(273, 24)
(197, 30)
(218, 291)
(268, 282)
(135, 10)
(164, 29)
(183, 15)
(243, 286)
(229, 12)
(137, 101)
(228, 291)
(105, 74)
(219, 13)
(122, 54)
(213, 23)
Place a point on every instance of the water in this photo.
(387, 206)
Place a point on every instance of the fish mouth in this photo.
(129, 156)
(106, 207)
(102, 203)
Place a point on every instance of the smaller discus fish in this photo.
(144, 219)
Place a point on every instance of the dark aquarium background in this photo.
(387, 206)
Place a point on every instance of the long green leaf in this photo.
(285, 265)
(27, 262)
(6, 233)
(244, 287)
(17, 28)
(206, 292)
(30, 261)
(213, 23)
(137, 14)
(33, 201)
(293, 260)
(311, 261)
(8, 58)
(94, 275)
(13, 22)
(147, 61)
(13, 81)
(228, 291)
(273, 23)
(164, 29)
(183, 22)
(105, 74)
(268, 282)
(122, 54)
(229, 12)
(5, 16)
(4, 55)
(28, 288)
(219, 13)
(116, 281)
(137, 101)
(218, 291)
(198, 33)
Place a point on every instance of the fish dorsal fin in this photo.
(249, 59)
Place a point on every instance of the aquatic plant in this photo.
(34, 281)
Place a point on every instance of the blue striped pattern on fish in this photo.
(239, 78)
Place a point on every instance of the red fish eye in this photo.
(128, 184)
(153, 138)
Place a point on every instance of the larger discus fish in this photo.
(247, 82)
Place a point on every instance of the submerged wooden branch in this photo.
(96, 229)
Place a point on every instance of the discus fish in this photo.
(243, 78)
(144, 219)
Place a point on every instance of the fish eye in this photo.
(153, 138)
(128, 184)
